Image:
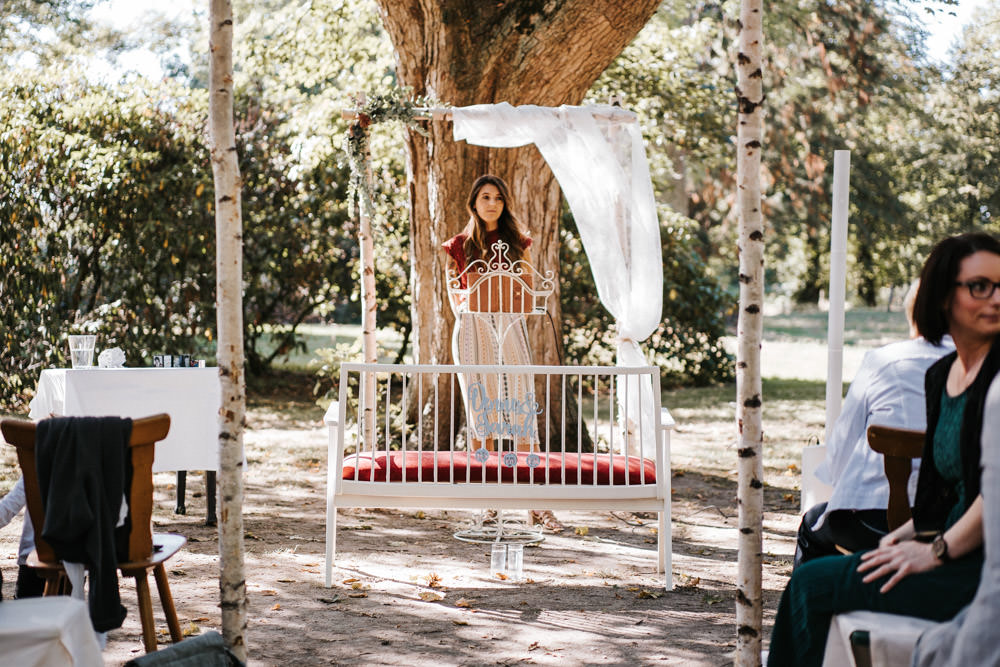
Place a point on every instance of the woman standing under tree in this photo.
(930, 566)
(490, 325)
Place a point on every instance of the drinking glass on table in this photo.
(81, 350)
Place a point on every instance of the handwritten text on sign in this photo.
(508, 417)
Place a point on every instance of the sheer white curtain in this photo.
(597, 155)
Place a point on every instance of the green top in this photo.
(948, 451)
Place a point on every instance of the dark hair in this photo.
(937, 281)
(508, 226)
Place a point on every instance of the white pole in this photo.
(838, 271)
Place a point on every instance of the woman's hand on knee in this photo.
(897, 560)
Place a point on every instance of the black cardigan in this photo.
(935, 497)
(83, 471)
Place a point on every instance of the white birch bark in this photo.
(229, 305)
(368, 304)
(750, 496)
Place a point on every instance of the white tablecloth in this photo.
(47, 632)
(191, 396)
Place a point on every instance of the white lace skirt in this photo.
(497, 405)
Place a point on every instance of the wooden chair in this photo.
(146, 551)
(898, 446)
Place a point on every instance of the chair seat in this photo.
(446, 466)
(168, 543)
(165, 545)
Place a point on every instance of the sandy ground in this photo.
(407, 593)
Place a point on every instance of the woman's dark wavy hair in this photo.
(508, 226)
(937, 281)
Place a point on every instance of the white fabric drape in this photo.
(597, 155)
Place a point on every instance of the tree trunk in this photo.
(229, 304)
(468, 52)
(750, 495)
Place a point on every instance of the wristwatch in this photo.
(939, 547)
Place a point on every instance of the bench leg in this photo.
(331, 542)
(664, 546)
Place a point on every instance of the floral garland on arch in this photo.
(396, 104)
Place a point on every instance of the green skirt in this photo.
(826, 586)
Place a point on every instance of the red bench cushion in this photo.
(421, 466)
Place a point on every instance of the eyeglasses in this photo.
(980, 289)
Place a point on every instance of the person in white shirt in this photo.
(888, 390)
(29, 584)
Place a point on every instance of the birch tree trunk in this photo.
(229, 305)
(750, 495)
(369, 307)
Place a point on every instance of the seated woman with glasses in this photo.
(930, 566)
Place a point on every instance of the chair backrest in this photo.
(146, 432)
(898, 446)
(499, 285)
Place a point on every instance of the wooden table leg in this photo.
(181, 491)
(210, 493)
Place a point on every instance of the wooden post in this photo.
(366, 241)
(229, 306)
(750, 496)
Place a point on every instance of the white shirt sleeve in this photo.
(12, 503)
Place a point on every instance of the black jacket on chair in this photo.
(82, 473)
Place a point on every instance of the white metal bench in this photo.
(406, 462)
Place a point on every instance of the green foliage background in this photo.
(105, 188)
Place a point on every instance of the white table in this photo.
(191, 396)
(47, 632)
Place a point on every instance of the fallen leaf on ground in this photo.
(190, 630)
(712, 599)
(789, 497)
(350, 580)
(464, 602)
(458, 622)
(432, 579)
(500, 575)
(276, 607)
(430, 596)
(286, 581)
(649, 595)
(269, 591)
(357, 594)
(420, 514)
(201, 619)
(533, 646)
(581, 530)
(330, 600)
